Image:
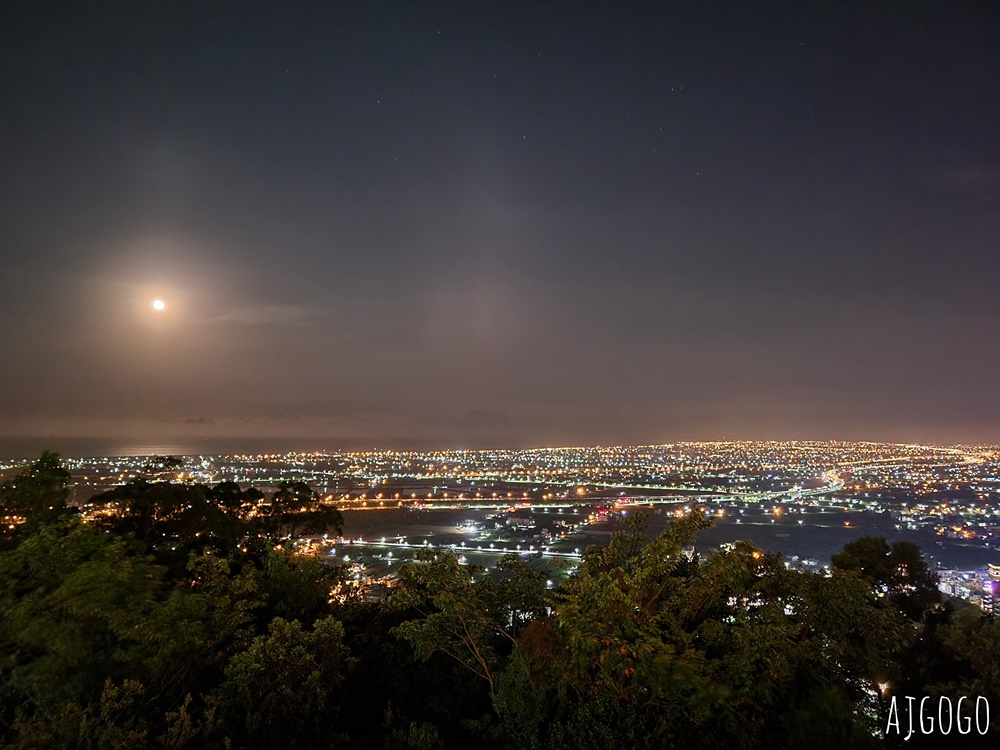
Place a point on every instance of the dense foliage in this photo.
(183, 621)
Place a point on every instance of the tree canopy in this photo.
(41, 488)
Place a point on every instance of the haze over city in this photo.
(458, 225)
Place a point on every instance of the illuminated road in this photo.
(517, 549)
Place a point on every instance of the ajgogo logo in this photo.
(948, 716)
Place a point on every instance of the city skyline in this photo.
(502, 225)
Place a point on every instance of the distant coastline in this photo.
(85, 447)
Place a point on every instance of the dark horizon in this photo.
(500, 224)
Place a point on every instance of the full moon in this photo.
(159, 305)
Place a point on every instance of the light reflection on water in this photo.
(822, 533)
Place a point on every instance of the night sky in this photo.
(494, 223)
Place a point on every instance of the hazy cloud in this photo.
(265, 315)
(979, 181)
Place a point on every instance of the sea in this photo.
(87, 447)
